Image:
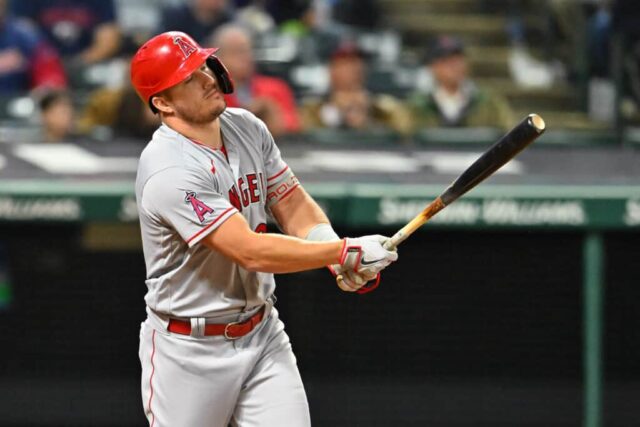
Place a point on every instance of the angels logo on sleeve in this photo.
(199, 207)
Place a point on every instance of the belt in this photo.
(231, 331)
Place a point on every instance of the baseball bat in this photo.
(505, 149)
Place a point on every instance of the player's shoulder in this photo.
(167, 152)
(164, 149)
(244, 125)
(239, 116)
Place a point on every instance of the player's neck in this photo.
(208, 133)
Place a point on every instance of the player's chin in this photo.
(219, 107)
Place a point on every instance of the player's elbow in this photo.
(257, 265)
(253, 258)
(250, 263)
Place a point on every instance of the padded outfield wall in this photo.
(472, 327)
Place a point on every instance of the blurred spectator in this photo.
(626, 17)
(26, 60)
(282, 11)
(100, 111)
(269, 98)
(315, 36)
(623, 28)
(294, 17)
(349, 105)
(363, 14)
(599, 36)
(58, 116)
(294, 13)
(82, 30)
(198, 18)
(529, 70)
(454, 100)
(120, 112)
(253, 15)
(117, 111)
(134, 118)
(566, 32)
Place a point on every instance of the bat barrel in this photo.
(514, 141)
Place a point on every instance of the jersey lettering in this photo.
(234, 199)
(252, 181)
(245, 192)
(199, 207)
(186, 47)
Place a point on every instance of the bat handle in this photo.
(395, 240)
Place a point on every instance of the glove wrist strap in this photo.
(350, 255)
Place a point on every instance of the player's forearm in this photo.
(298, 213)
(275, 253)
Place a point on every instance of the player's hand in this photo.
(351, 281)
(366, 255)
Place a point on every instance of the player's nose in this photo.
(208, 80)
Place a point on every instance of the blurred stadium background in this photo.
(516, 306)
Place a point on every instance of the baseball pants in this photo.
(210, 381)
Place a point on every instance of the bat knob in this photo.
(341, 284)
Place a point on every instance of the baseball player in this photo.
(212, 349)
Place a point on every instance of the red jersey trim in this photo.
(222, 149)
(278, 174)
(279, 183)
(210, 225)
(285, 195)
(195, 141)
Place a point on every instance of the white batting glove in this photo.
(366, 255)
(351, 281)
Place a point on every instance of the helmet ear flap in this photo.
(222, 75)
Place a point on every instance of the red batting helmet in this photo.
(169, 58)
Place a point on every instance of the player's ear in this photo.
(161, 104)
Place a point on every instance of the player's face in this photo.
(198, 99)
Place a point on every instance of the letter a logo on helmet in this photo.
(186, 48)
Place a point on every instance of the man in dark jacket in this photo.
(454, 100)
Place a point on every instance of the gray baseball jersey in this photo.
(186, 190)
